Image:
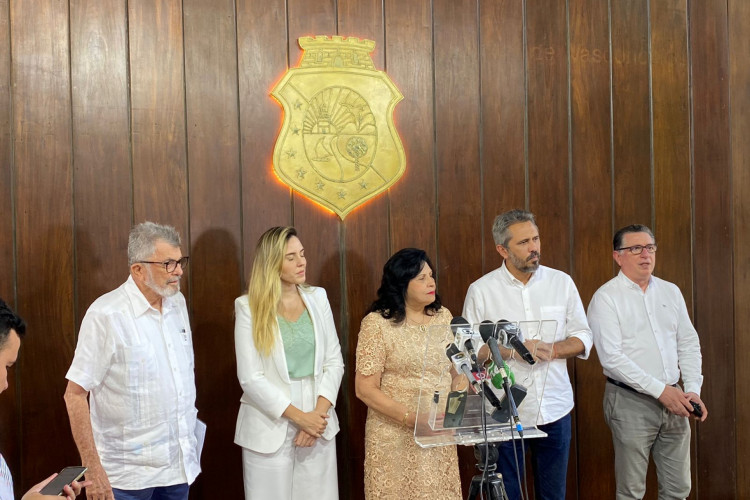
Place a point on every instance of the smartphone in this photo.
(66, 476)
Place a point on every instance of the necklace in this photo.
(422, 325)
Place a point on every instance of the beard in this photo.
(525, 266)
(162, 291)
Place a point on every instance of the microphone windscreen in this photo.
(459, 321)
(486, 329)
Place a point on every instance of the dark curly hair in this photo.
(401, 268)
(9, 321)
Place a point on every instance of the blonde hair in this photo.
(264, 290)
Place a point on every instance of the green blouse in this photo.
(299, 345)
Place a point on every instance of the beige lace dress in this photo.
(395, 466)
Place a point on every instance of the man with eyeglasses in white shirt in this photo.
(134, 362)
(646, 341)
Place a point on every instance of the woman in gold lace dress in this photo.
(389, 373)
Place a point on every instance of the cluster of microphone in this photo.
(463, 355)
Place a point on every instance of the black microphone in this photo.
(487, 329)
(512, 332)
(463, 333)
(495, 351)
(472, 355)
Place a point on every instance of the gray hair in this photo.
(501, 226)
(143, 237)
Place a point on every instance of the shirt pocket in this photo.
(558, 314)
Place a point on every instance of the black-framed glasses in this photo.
(638, 249)
(169, 265)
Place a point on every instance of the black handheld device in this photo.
(65, 477)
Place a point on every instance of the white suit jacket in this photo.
(265, 379)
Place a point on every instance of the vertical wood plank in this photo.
(592, 228)
(671, 149)
(43, 196)
(157, 90)
(319, 229)
(739, 112)
(409, 57)
(713, 293)
(503, 123)
(459, 259)
(262, 59)
(9, 408)
(366, 247)
(549, 188)
(630, 108)
(101, 138)
(548, 150)
(215, 232)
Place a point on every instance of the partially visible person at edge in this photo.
(646, 343)
(134, 365)
(521, 289)
(12, 330)
(390, 359)
(289, 365)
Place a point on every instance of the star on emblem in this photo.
(341, 194)
(363, 184)
(295, 130)
(298, 104)
(291, 153)
(319, 185)
(301, 173)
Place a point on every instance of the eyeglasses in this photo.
(169, 265)
(638, 249)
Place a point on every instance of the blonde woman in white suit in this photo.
(289, 365)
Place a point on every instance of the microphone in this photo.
(461, 362)
(512, 334)
(463, 333)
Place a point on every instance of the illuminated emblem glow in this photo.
(338, 144)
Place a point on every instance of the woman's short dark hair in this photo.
(401, 268)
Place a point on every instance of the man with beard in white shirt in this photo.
(523, 290)
(134, 362)
(645, 342)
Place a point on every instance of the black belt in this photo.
(620, 384)
(626, 386)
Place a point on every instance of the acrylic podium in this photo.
(446, 416)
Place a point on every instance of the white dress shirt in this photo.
(6, 481)
(645, 339)
(137, 363)
(549, 295)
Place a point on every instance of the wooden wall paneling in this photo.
(549, 191)
(739, 91)
(459, 259)
(44, 232)
(671, 145)
(366, 246)
(503, 108)
(320, 230)
(631, 115)
(215, 233)
(262, 60)
(101, 155)
(592, 226)
(459, 182)
(157, 90)
(548, 149)
(713, 273)
(9, 409)
(409, 56)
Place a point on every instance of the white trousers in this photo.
(293, 473)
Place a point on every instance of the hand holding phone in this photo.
(64, 478)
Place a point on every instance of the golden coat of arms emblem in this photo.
(338, 144)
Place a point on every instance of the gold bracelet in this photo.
(403, 420)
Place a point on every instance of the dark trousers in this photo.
(549, 457)
(175, 492)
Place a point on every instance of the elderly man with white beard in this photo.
(131, 386)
